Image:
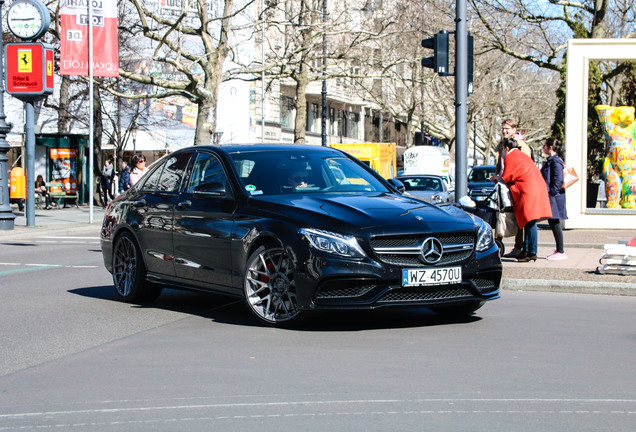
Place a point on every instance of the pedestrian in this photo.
(124, 178)
(529, 195)
(509, 131)
(106, 182)
(40, 189)
(138, 163)
(552, 171)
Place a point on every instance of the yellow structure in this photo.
(619, 167)
(17, 183)
(381, 157)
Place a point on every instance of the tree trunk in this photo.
(63, 118)
(300, 122)
(97, 130)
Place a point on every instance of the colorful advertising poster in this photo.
(74, 18)
(64, 169)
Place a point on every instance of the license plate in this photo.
(432, 276)
(481, 198)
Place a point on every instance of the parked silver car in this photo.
(430, 188)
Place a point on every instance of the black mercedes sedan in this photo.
(294, 229)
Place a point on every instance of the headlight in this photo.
(485, 239)
(436, 199)
(334, 243)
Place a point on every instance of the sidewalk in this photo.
(576, 274)
(584, 249)
(61, 222)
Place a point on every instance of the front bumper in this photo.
(334, 284)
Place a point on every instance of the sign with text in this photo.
(75, 38)
(29, 70)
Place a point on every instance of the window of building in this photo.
(332, 121)
(313, 118)
(342, 123)
(354, 120)
(287, 111)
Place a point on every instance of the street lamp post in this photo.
(133, 132)
(324, 73)
(475, 118)
(7, 217)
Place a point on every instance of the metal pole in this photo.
(263, 71)
(474, 140)
(324, 74)
(7, 218)
(30, 165)
(91, 150)
(461, 101)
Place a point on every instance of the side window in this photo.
(151, 182)
(173, 171)
(207, 170)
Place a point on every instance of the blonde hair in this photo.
(510, 122)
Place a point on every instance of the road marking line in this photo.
(76, 238)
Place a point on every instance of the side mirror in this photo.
(210, 190)
(397, 184)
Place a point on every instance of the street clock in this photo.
(28, 19)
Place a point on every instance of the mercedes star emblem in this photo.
(432, 250)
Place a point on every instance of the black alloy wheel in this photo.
(269, 288)
(129, 272)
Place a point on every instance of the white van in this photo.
(428, 160)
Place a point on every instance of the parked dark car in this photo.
(274, 225)
(479, 185)
(430, 188)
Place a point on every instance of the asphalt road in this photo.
(74, 358)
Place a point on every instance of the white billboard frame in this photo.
(580, 53)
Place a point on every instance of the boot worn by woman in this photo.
(525, 257)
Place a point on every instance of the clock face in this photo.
(27, 19)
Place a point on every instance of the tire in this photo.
(457, 310)
(269, 288)
(129, 272)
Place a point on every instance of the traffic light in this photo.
(439, 61)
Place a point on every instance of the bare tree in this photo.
(191, 42)
(502, 86)
(306, 43)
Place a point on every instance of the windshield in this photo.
(481, 174)
(422, 184)
(293, 172)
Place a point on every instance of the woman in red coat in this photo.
(529, 195)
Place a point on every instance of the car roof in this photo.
(230, 148)
(420, 175)
(484, 167)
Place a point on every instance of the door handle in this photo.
(184, 204)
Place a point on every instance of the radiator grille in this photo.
(406, 250)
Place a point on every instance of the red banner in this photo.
(74, 18)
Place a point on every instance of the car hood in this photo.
(353, 213)
(481, 185)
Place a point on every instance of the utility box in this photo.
(17, 184)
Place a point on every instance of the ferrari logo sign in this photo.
(25, 61)
(29, 70)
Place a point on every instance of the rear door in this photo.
(155, 210)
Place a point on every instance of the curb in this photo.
(48, 231)
(568, 286)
